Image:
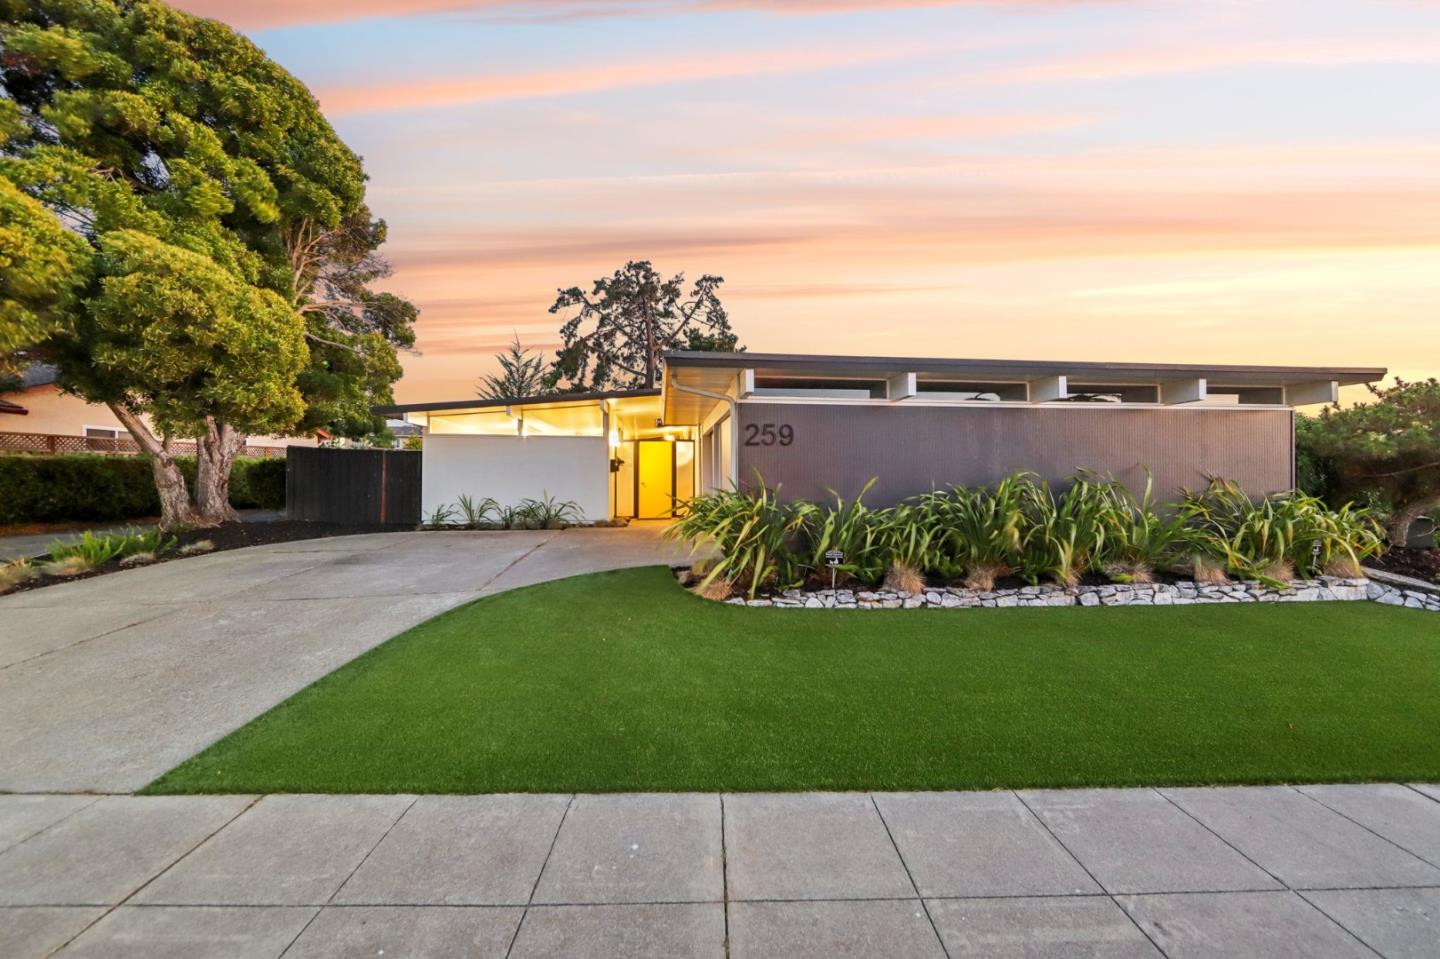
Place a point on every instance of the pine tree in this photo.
(521, 374)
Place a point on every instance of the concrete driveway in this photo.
(108, 682)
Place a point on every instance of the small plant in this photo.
(72, 565)
(548, 513)
(16, 573)
(197, 547)
(442, 515)
(480, 512)
(94, 550)
(511, 517)
(138, 559)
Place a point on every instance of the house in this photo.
(39, 418)
(811, 424)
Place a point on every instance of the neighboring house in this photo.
(39, 418)
(812, 424)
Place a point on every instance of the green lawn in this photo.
(623, 681)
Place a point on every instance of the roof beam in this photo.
(900, 386)
(1308, 394)
(1176, 392)
(1049, 388)
(746, 383)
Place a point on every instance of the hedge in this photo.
(91, 487)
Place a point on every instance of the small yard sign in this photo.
(833, 558)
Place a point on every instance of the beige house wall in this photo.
(64, 414)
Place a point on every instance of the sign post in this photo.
(833, 558)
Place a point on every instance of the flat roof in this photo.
(481, 404)
(1223, 374)
(715, 373)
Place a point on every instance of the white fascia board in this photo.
(1176, 392)
(900, 386)
(746, 383)
(1049, 389)
(1308, 394)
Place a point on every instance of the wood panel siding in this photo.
(912, 449)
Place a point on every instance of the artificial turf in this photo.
(624, 682)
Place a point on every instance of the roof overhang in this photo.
(477, 405)
(722, 373)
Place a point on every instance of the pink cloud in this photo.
(1191, 58)
(382, 96)
(264, 14)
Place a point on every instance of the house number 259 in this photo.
(769, 434)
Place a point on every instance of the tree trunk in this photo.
(216, 450)
(175, 509)
(1405, 517)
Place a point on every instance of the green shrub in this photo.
(257, 483)
(89, 487)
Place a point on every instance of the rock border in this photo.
(1324, 589)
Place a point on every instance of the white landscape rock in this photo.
(1324, 589)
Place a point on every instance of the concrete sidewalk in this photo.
(105, 683)
(1317, 871)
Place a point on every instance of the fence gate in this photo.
(371, 487)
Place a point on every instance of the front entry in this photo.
(663, 476)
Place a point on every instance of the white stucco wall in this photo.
(511, 468)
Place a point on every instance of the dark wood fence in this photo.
(353, 486)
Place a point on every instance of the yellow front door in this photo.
(655, 476)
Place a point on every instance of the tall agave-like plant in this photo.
(1139, 540)
(978, 531)
(853, 528)
(755, 533)
(1064, 533)
(908, 542)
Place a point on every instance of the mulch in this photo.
(1415, 563)
(223, 537)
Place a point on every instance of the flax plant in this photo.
(757, 536)
(1138, 539)
(855, 529)
(1063, 533)
(978, 531)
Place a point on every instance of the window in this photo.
(1245, 396)
(1111, 393)
(816, 387)
(103, 433)
(972, 391)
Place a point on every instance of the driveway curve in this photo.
(106, 683)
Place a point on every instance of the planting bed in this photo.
(225, 536)
(1422, 564)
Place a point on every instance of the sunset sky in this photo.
(1207, 181)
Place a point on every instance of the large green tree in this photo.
(1386, 450)
(622, 328)
(170, 146)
